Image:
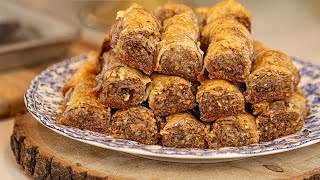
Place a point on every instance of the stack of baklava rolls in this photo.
(179, 63)
(152, 83)
(126, 60)
(82, 108)
(229, 55)
(278, 107)
(278, 104)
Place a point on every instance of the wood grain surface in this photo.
(14, 81)
(47, 155)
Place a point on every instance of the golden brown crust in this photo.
(136, 123)
(179, 53)
(88, 70)
(134, 38)
(184, 24)
(230, 52)
(170, 95)
(233, 131)
(121, 86)
(180, 58)
(223, 28)
(184, 131)
(280, 118)
(230, 8)
(83, 110)
(273, 77)
(258, 48)
(169, 10)
(273, 57)
(217, 99)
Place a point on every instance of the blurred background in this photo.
(292, 26)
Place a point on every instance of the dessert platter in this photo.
(182, 85)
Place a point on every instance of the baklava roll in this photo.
(88, 70)
(217, 99)
(121, 86)
(273, 77)
(83, 109)
(184, 24)
(280, 118)
(230, 8)
(225, 28)
(170, 95)
(230, 52)
(135, 123)
(184, 131)
(233, 131)
(179, 52)
(134, 38)
(170, 9)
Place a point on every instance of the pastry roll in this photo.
(83, 110)
(135, 123)
(280, 118)
(134, 38)
(273, 77)
(219, 98)
(170, 94)
(230, 8)
(230, 52)
(121, 86)
(233, 131)
(179, 52)
(169, 10)
(88, 70)
(184, 24)
(184, 131)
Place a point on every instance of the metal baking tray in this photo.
(35, 36)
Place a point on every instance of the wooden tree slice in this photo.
(47, 155)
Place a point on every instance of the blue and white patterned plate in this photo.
(44, 98)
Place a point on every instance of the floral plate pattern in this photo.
(44, 98)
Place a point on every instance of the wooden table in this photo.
(34, 143)
(14, 82)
